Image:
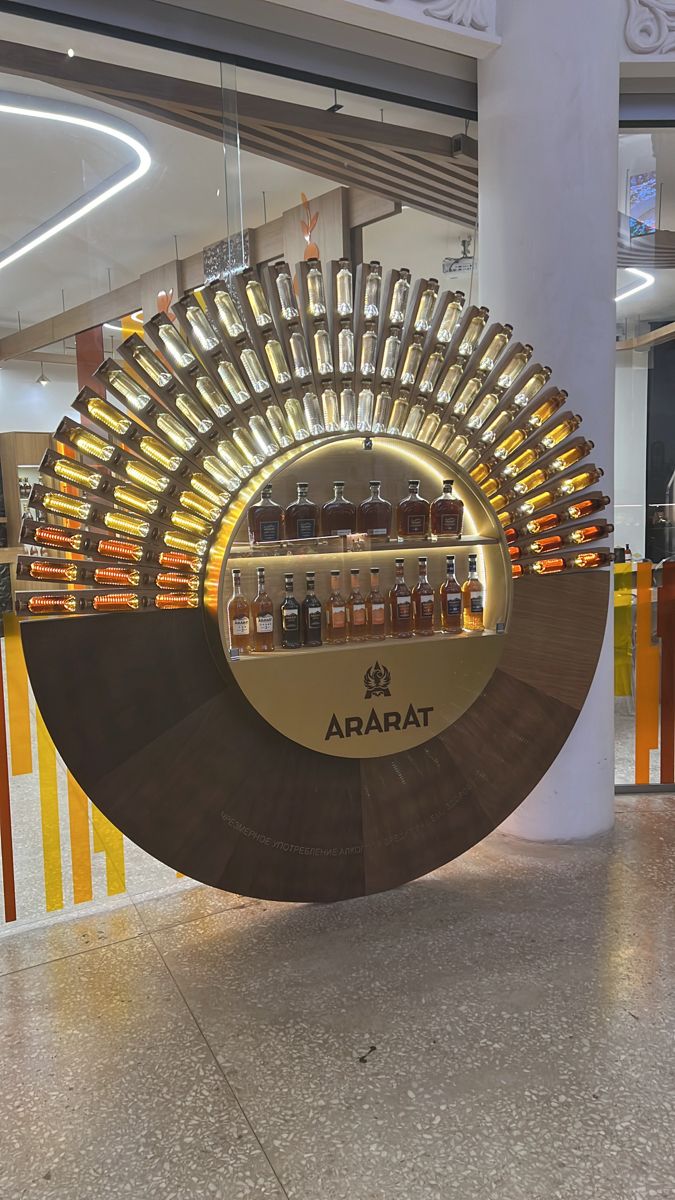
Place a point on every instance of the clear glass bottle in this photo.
(374, 514)
(382, 411)
(228, 314)
(413, 513)
(346, 349)
(343, 287)
(315, 289)
(175, 432)
(296, 419)
(265, 519)
(313, 414)
(527, 391)
(392, 347)
(414, 421)
(429, 427)
(279, 425)
(152, 365)
(331, 410)
(239, 617)
(338, 516)
(472, 333)
(291, 617)
(494, 348)
(375, 608)
(336, 612)
(364, 416)
(514, 363)
(232, 459)
(400, 604)
(234, 384)
(286, 294)
(368, 350)
(412, 360)
(357, 629)
(482, 411)
(133, 393)
(225, 476)
(176, 348)
(301, 367)
(262, 612)
(302, 516)
(323, 351)
(262, 435)
(347, 409)
(426, 306)
(258, 302)
(312, 613)
(277, 360)
(432, 370)
(450, 597)
(472, 600)
(399, 297)
(196, 417)
(451, 316)
(399, 414)
(371, 296)
(447, 512)
(424, 602)
(449, 383)
(254, 369)
(211, 397)
(201, 327)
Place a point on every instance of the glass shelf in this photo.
(354, 543)
(375, 645)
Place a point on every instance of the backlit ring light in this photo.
(14, 104)
(647, 281)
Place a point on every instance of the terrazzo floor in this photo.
(502, 1028)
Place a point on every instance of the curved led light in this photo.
(14, 104)
(647, 281)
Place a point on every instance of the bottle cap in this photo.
(288, 578)
(413, 483)
(303, 485)
(335, 574)
(374, 483)
(354, 571)
(267, 490)
(374, 570)
(422, 560)
(448, 482)
(338, 483)
(398, 562)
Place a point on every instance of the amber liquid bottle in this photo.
(312, 612)
(472, 600)
(262, 612)
(338, 516)
(291, 622)
(400, 605)
(447, 512)
(375, 607)
(265, 519)
(374, 516)
(357, 629)
(336, 612)
(413, 513)
(239, 618)
(450, 595)
(302, 516)
(423, 602)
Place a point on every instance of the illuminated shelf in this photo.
(355, 544)
(375, 645)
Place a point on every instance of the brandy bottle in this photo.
(311, 614)
(265, 519)
(262, 612)
(291, 624)
(356, 610)
(447, 512)
(374, 516)
(336, 616)
(375, 607)
(450, 595)
(423, 602)
(472, 600)
(239, 617)
(400, 604)
(302, 516)
(413, 513)
(338, 516)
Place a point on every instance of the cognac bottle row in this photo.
(358, 615)
(415, 517)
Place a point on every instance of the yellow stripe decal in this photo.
(49, 813)
(109, 840)
(80, 852)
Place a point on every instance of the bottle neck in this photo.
(375, 491)
(338, 491)
(261, 584)
(311, 589)
(413, 492)
(423, 575)
(374, 583)
(355, 583)
(237, 587)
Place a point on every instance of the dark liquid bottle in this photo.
(374, 516)
(400, 605)
(312, 612)
(265, 519)
(413, 513)
(450, 595)
(338, 516)
(291, 624)
(447, 512)
(302, 516)
(423, 602)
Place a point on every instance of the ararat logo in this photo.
(376, 681)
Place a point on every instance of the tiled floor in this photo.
(503, 1028)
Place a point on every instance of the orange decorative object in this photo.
(646, 676)
(127, 551)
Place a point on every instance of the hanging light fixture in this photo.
(42, 379)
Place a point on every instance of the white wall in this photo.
(630, 442)
(27, 406)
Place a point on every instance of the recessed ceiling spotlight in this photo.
(42, 379)
(217, 191)
(71, 52)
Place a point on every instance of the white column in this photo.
(547, 133)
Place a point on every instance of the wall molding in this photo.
(650, 27)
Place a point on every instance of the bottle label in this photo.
(403, 607)
(241, 627)
(426, 606)
(416, 523)
(337, 617)
(265, 623)
(476, 602)
(290, 620)
(358, 614)
(306, 527)
(269, 531)
(449, 523)
(377, 614)
(314, 618)
(377, 532)
(453, 605)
